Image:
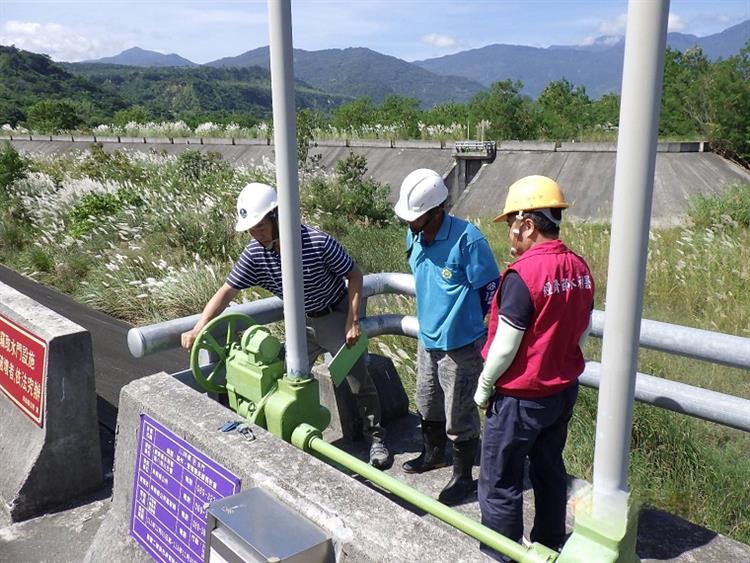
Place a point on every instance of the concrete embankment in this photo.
(586, 171)
(49, 443)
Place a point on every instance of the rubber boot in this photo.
(461, 485)
(433, 449)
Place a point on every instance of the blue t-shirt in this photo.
(448, 274)
(325, 263)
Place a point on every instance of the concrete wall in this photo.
(41, 467)
(364, 524)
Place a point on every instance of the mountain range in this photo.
(358, 71)
(135, 56)
(598, 66)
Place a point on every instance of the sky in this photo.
(408, 29)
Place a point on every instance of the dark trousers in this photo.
(514, 430)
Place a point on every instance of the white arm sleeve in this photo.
(500, 355)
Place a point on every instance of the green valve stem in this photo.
(310, 439)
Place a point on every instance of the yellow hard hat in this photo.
(530, 193)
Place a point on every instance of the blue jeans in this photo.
(514, 430)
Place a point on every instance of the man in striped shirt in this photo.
(331, 310)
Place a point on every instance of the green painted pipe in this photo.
(308, 439)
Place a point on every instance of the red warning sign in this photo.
(23, 367)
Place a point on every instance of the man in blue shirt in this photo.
(455, 276)
(331, 307)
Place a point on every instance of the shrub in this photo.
(349, 195)
(731, 206)
(108, 166)
(12, 166)
(94, 207)
(193, 165)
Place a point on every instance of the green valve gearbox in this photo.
(251, 372)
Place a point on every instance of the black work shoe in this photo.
(457, 490)
(433, 448)
(461, 486)
(431, 458)
(378, 455)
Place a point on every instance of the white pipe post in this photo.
(643, 70)
(287, 184)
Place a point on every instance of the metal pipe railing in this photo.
(678, 397)
(506, 546)
(154, 338)
(714, 347)
(697, 402)
(694, 343)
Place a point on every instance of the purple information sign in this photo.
(172, 487)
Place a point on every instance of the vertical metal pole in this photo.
(287, 184)
(643, 70)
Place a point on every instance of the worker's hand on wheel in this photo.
(187, 339)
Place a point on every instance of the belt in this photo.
(328, 309)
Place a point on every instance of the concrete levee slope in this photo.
(586, 171)
(385, 164)
(390, 165)
(363, 524)
(588, 178)
(51, 458)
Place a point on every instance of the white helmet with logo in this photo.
(421, 190)
(255, 202)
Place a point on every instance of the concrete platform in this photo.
(67, 535)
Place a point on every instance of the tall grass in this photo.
(74, 222)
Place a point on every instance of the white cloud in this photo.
(675, 23)
(614, 26)
(608, 40)
(438, 40)
(57, 41)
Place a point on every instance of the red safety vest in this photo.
(562, 294)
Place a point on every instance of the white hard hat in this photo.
(421, 190)
(255, 202)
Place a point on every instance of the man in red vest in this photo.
(539, 318)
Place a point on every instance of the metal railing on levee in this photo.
(486, 148)
(714, 347)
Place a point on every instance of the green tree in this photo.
(510, 113)
(354, 114)
(605, 112)
(684, 109)
(139, 114)
(10, 113)
(729, 97)
(565, 110)
(52, 116)
(446, 114)
(399, 110)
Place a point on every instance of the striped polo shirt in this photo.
(324, 263)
